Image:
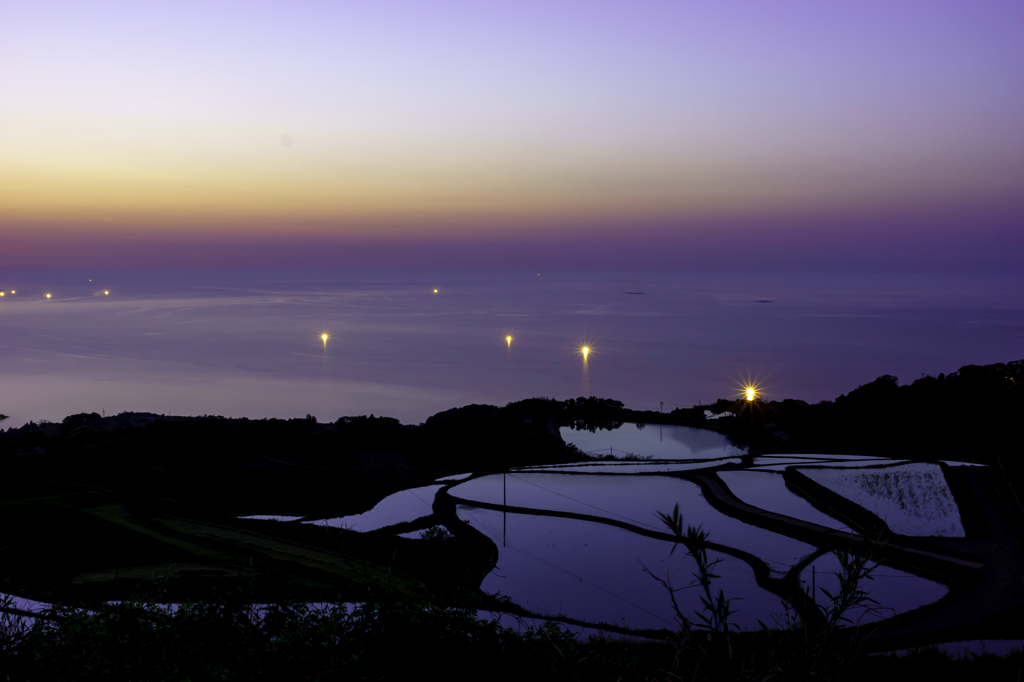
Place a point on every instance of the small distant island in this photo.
(98, 510)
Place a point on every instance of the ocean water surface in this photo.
(249, 344)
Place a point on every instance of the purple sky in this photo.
(576, 134)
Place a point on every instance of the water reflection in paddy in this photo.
(455, 477)
(418, 534)
(635, 467)
(768, 491)
(13, 601)
(859, 464)
(590, 571)
(834, 464)
(839, 457)
(895, 591)
(634, 500)
(401, 507)
(761, 461)
(653, 440)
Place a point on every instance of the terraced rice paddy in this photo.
(585, 542)
(912, 499)
(573, 541)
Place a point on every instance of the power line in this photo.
(585, 504)
(574, 575)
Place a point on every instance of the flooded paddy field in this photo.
(578, 546)
(652, 441)
(584, 543)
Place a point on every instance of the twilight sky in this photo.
(842, 125)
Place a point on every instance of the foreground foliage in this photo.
(397, 639)
(383, 640)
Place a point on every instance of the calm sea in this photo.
(249, 344)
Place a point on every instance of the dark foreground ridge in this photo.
(408, 639)
(142, 506)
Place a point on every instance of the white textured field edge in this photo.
(913, 499)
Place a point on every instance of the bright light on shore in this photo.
(48, 296)
(508, 340)
(585, 351)
(435, 291)
(324, 337)
(106, 293)
(750, 390)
